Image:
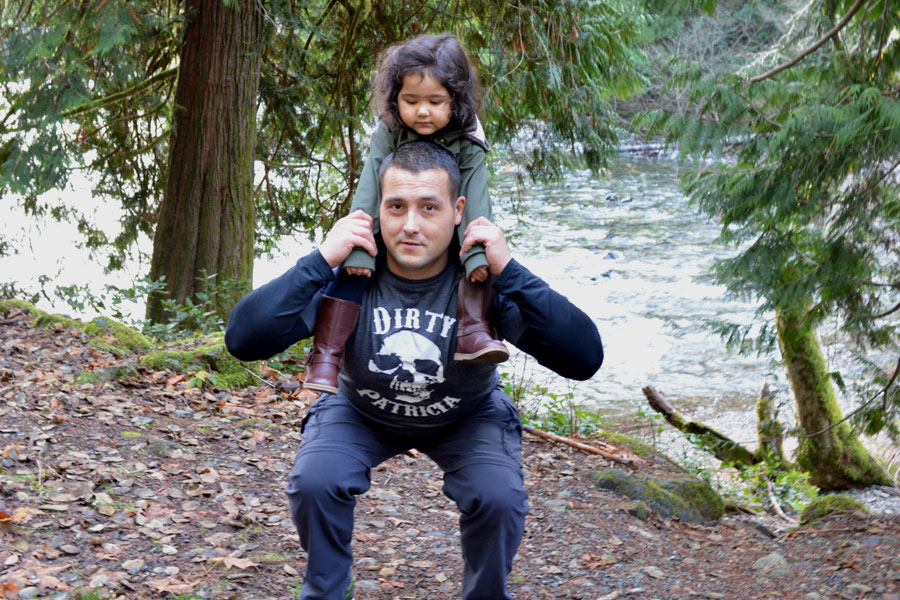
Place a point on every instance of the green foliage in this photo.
(195, 316)
(555, 413)
(206, 363)
(807, 189)
(790, 486)
(88, 86)
(292, 360)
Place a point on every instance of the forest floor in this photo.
(137, 487)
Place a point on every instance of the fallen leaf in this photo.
(172, 585)
(21, 515)
(231, 562)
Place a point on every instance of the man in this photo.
(400, 387)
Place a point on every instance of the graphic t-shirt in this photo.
(398, 367)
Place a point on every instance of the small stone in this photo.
(773, 564)
(859, 589)
(28, 592)
(70, 549)
(609, 596)
(654, 572)
(99, 580)
(169, 550)
(133, 566)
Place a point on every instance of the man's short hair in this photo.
(423, 155)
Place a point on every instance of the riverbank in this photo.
(137, 486)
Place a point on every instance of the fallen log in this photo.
(721, 446)
(606, 451)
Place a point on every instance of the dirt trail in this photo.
(135, 487)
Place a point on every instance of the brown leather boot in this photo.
(335, 321)
(476, 340)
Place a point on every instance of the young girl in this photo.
(424, 88)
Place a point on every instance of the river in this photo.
(627, 247)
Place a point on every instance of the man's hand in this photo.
(352, 231)
(495, 248)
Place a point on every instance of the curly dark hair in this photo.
(439, 56)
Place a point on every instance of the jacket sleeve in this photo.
(272, 317)
(368, 193)
(545, 324)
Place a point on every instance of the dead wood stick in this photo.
(610, 452)
(711, 440)
(773, 500)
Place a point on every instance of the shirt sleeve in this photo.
(545, 324)
(272, 317)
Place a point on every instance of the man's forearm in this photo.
(551, 329)
(272, 317)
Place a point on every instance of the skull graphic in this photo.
(415, 363)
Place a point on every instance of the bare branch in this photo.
(831, 32)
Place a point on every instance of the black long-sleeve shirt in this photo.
(528, 312)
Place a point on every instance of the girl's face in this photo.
(424, 104)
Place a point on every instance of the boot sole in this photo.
(320, 387)
(485, 356)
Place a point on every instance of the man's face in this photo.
(418, 219)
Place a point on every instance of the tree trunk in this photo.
(207, 216)
(830, 451)
(769, 431)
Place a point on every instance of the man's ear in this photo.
(459, 207)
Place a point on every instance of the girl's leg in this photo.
(476, 339)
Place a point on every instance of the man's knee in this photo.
(326, 476)
(489, 490)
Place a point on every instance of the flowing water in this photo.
(628, 249)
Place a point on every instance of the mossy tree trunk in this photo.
(207, 216)
(830, 451)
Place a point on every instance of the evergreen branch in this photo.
(815, 46)
(883, 391)
(886, 313)
(123, 94)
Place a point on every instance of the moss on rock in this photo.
(106, 334)
(830, 504)
(7, 305)
(622, 440)
(41, 318)
(116, 337)
(671, 495)
(206, 354)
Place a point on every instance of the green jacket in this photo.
(466, 147)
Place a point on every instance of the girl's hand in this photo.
(352, 231)
(481, 231)
(359, 271)
(479, 274)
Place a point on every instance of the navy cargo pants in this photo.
(480, 456)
